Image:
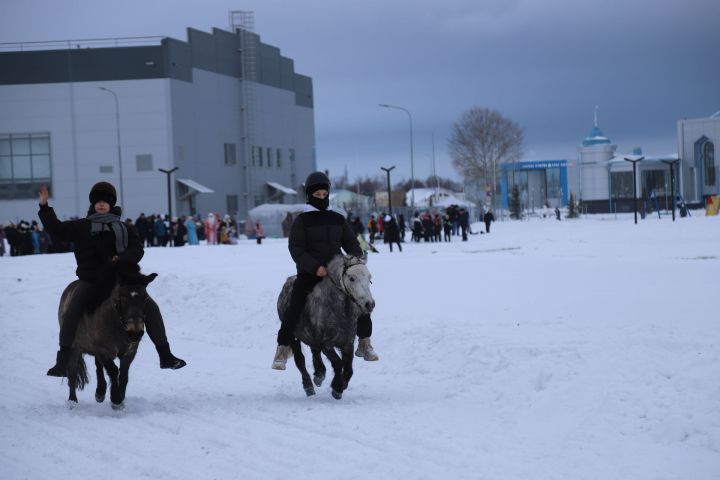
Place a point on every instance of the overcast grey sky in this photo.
(544, 64)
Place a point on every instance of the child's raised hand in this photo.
(43, 195)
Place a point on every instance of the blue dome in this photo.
(596, 137)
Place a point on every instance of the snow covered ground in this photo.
(582, 349)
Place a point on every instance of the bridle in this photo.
(344, 289)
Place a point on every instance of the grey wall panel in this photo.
(81, 65)
(303, 91)
(217, 52)
(178, 59)
(287, 74)
(269, 66)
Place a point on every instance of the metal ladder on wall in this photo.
(242, 24)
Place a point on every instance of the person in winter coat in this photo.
(417, 227)
(372, 228)
(464, 218)
(192, 237)
(101, 240)
(447, 227)
(402, 227)
(2, 241)
(211, 229)
(488, 218)
(161, 232)
(392, 233)
(179, 232)
(316, 236)
(259, 232)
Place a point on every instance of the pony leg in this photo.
(125, 362)
(337, 381)
(347, 360)
(300, 364)
(112, 371)
(319, 374)
(101, 383)
(72, 372)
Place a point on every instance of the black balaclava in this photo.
(319, 203)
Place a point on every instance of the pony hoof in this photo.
(118, 406)
(309, 391)
(336, 395)
(318, 379)
(99, 397)
(70, 404)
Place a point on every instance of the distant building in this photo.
(350, 201)
(226, 109)
(698, 139)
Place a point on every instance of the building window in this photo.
(708, 153)
(269, 156)
(24, 165)
(230, 156)
(252, 154)
(260, 156)
(232, 204)
(181, 153)
(106, 169)
(622, 184)
(144, 163)
(278, 158)
(259, 199)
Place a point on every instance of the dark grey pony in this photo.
(111, 329)
(329, 320)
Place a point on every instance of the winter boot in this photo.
(167, 359)
(61, 363)
(366, 351)
(282, 354)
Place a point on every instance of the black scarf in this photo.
(319, 203)
(101, 222)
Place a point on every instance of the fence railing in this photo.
(76, 44)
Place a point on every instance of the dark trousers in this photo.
(487, 227)
(304, 283)
(464, 229)
(398, 244)
(85, 294)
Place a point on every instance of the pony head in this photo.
(129, 300)
(353, 275)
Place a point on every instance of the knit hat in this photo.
(316, 181)
(103, 191)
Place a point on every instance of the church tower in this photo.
(593, 156)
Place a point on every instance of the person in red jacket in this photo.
(101, 240)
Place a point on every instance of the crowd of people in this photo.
(428, 226)
(29, 238)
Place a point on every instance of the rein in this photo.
(344, 289)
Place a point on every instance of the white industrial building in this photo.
(228, 111)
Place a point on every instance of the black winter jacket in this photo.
(92, 252)
(317, 236)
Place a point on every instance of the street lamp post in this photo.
(634, 160)
(117, 125)
(412, 162)
(168, 173)
(671, 164)
(388, 170)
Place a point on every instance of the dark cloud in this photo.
(545, 64)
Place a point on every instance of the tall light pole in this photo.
(412, 162)
(168, 173)
(388, 170)
(117, 125)
(634, 160)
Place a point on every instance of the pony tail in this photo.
(81, 377)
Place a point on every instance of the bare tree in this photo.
(481, 139)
